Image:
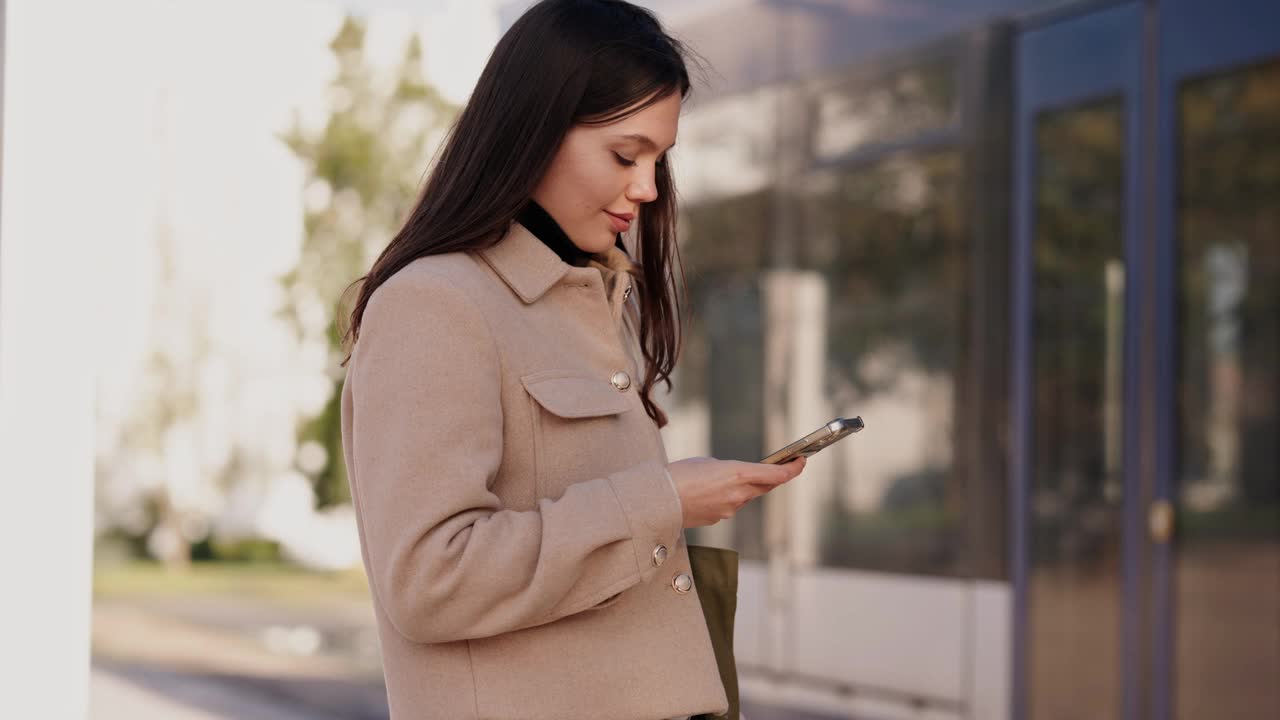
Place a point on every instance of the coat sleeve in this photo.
(446, 560)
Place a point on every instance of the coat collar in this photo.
(531, 268)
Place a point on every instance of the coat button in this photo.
(682, 583)
(659, 555)
(621, 380)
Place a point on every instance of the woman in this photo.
(520, 525)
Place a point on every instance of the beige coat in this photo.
(521, 535)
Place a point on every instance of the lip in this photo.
(620, 222)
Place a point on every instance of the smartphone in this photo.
(833, 431)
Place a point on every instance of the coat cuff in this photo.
(652, 506)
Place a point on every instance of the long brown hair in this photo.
(563, 63)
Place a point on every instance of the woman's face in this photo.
(602, 174)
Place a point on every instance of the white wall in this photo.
(52, 208)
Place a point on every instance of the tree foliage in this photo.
(364, 167)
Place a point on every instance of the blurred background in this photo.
(1035, 244)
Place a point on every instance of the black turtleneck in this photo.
(540, 223)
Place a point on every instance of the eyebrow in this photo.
(644, 140)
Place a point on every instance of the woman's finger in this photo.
(796, 466)
(778, 474)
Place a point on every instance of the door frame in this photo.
(1195, 39)
(1051, 72)
(1180, 40)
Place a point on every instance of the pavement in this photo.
(112, 697)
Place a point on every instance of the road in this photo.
(224, 658)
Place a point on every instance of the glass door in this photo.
(1217, 589)
(1147, 363)
(1076, 222)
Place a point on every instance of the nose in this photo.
(643, 188)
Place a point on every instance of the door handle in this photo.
(1160, 521)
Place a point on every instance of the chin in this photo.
(599, 242)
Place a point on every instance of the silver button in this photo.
(659, 555)
(626, 293)
(621, 380)
(682, 583)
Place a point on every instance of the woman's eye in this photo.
(623, 161)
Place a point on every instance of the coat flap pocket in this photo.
(575, 396)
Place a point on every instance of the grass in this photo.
(264, 581)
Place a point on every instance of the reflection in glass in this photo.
(888, 240)
(717, 406)
(726, 146)
(904, 104)
(1077, 336)
(1227, 582)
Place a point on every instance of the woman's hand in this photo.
(712, 490)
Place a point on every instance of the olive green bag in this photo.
(715, 575)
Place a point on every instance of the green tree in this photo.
(365, 167)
